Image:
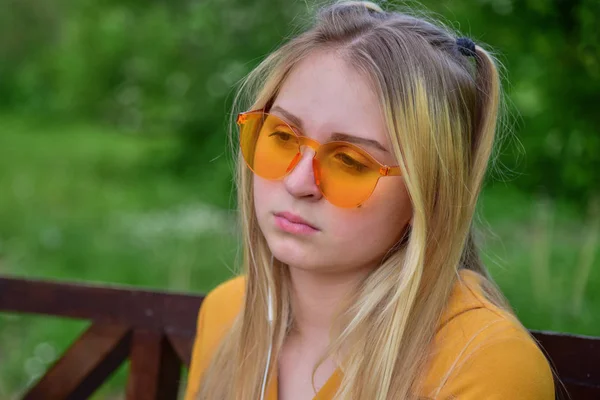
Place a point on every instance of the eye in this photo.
(283, 136)
(351, 162)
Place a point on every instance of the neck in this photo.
(315, 297)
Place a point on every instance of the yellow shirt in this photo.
(496, 358)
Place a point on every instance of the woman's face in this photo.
(324, 95)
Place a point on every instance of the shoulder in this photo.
(508, 367)
(220, 307)
(228, 294)
(482, 351)
(217, 313)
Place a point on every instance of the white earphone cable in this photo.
(270, 319)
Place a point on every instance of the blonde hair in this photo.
(442, 109)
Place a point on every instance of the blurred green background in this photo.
(114, 166)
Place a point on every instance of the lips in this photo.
(296, 219)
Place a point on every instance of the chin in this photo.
(292, 252)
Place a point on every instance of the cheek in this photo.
(394, 207)
(258, 190)
(262, 189)
(380, 222)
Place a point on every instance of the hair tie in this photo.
(466, 46)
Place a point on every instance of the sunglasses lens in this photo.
(269, 145)
(347, 174)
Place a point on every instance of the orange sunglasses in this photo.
(345, 173)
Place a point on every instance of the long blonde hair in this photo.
(442, 109)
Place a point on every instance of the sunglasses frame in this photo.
(303, 140)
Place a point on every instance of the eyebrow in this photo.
(297, 122)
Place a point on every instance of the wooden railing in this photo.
(155, 330)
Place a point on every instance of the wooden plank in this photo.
(576, 360)
(577, 391)
(85, 365)
(183, 348)
(154, 369)
(575, 356)
(159, 311)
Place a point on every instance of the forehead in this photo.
(328, 95)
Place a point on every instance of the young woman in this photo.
(362, 149)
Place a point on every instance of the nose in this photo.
(300, 182)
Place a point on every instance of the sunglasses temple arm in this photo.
(390, 171)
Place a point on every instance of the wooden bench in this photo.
(155, 330)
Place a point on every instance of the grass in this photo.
(545, 257)
(84, 203)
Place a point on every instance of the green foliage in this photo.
(147, 67)
(170, 67)
(551, 55)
